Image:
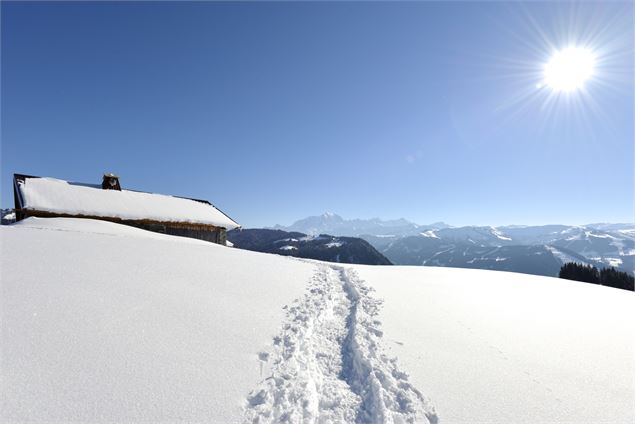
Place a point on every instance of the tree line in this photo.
(606, 276)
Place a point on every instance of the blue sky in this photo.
(276, 111)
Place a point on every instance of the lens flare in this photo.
(569, 69)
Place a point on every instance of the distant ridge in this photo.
(323, 247)
(533, 249)
(332, 223)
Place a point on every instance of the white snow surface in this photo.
(10, 216)
(285, 240)
(107, 323)
(499, 347)
(614, 262)
(288, 247)
(628, 232)
(499, 235)
(563, 256)
(59, 196)
(329, 365)
(102, 322)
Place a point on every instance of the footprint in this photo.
(263, 357)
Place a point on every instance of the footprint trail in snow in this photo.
(328, 366)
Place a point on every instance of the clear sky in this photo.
(276, 111)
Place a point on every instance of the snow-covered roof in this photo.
(59, 196)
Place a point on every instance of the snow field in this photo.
(106, 323)
(329, 365)
(305, 384)
(497, 347)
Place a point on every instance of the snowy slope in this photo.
(498, 347)
(113, 323)
(102, 322)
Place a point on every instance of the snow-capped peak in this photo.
(499, 235)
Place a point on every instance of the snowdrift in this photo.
(102, 322)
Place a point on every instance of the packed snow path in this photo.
(328, 365)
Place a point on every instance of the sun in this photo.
(569, 69)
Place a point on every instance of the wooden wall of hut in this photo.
(217, 235)
(183, 229)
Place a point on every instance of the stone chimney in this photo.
(110, 182)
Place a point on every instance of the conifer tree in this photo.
(606, 276)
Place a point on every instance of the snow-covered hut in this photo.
(180, 216)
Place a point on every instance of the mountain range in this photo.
(537, 250)
(322, 247)
(331, 223)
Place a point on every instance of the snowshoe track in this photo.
(328, 365)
